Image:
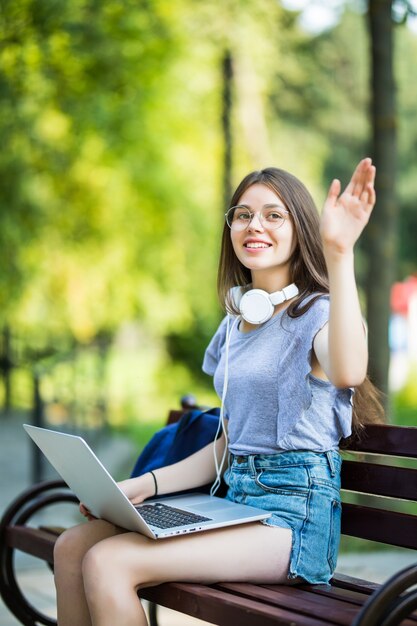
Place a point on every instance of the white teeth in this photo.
(257, 245)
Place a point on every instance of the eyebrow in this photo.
(270, 205)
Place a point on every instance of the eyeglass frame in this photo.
(252, 214)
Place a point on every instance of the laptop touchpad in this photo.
(207, 506)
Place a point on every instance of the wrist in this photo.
(338, 252)
(338, 260)
(154, 482)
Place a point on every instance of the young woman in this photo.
(295, 346)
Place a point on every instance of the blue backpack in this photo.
(173, 443)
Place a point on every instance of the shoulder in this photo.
(222, 328)
(213, 351)
(315, 299)
(311, 313)
(321, 304)
(312, 305)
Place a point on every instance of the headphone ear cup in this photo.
(256, 306)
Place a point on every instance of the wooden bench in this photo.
(367, 469)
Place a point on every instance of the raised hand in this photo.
(345, 215)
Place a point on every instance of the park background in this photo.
(124, 127)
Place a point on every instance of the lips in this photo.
(256, 244)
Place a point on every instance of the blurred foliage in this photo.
(110, 201)
(82, 81)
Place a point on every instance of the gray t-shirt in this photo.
(273, 401)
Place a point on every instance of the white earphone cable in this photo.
(221, 424)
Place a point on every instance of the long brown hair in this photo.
(307, 268)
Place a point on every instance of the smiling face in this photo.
(265, 252)
(293, 252)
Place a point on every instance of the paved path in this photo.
(116, 454)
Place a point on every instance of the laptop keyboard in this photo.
(163, 516)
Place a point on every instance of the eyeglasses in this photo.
(239, 217)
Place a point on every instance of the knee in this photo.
(99, 564)
(73, 544)
(67, 546)
(91, 562)
(101, 575)
(108, 566)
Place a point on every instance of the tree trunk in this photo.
(381, 240)
(227, 70)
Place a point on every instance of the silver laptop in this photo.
(163, 517)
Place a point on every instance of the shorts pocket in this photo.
(287, 498)
(286, 481)
(320, 475)
(334, 534)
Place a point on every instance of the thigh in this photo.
(250, 552)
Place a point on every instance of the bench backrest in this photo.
(368, 468)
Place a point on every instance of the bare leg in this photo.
(69, 553)
(115, 568)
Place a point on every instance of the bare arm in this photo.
(194, 471)
(341, 347)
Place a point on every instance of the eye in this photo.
(273, 215)
(241, 215)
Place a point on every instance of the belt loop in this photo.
(331, 462)
(251, 464)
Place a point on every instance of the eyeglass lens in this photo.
(239, 218)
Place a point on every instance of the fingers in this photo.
(367, 195)
(363, 174)
(363, 177)
(372, 174)
(369, 179)
(334, 191)
(137, 500)
(368, 198)
(86, 512)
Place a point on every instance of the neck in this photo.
(270, 282)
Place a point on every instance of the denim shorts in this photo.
(302, 491)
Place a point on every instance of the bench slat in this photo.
(34, 541)
(352, 583)
(397, 529)
(300, 599)
(389, 440)
(223, 609)
(382, 480)
(344, 588)
(355, 597)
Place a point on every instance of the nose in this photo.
(255, 225)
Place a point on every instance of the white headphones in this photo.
(256, 306)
